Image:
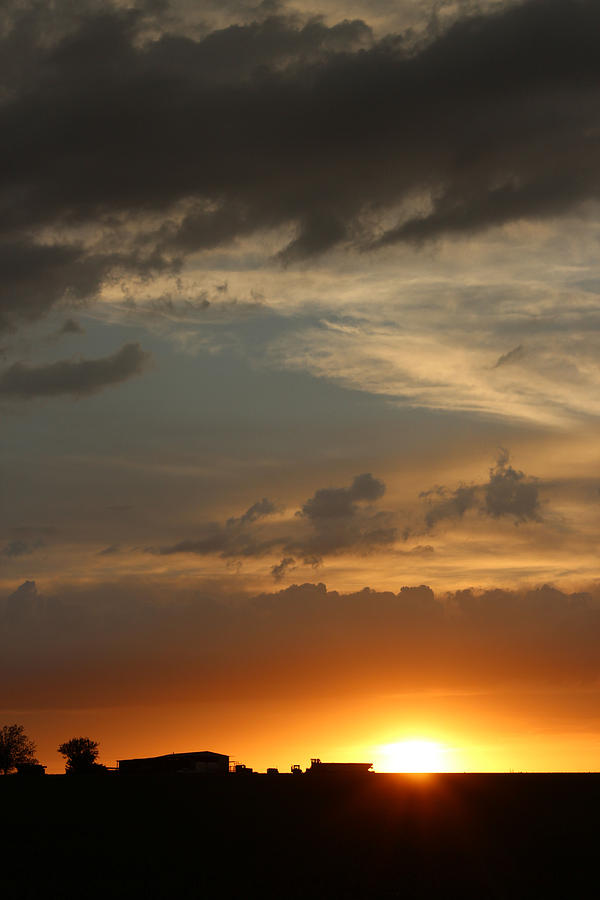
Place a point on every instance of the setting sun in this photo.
(413, 756)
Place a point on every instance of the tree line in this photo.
(17, 749)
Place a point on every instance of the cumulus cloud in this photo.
(491, 120)
(445, 504)
(329, 503)
(342, 519)
(77, 377)
(338, 520)
(508, 493)
(333, 520)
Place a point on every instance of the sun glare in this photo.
(413, 756)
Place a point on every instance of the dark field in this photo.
(484, 836)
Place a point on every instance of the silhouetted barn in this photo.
(199, 763)
(346, 769)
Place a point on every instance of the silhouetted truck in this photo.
(30, 769)
(338, 769)
(203, 762)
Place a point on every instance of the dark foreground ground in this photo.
(380, 836)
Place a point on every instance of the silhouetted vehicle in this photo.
(272, 771)
(241, 769)
(296, 769)
(346, 769)
(202, 762)
(30, 768)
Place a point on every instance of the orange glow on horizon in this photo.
(416, 755)
(420, 732)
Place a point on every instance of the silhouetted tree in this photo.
(15, 748)
(81, 754)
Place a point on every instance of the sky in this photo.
(299, 383)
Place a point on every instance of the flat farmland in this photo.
(486, 836)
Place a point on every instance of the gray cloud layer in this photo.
(110, 121)
(120, 643)
(77, 377)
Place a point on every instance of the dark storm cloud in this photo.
(77, 377)
(121, 642)
(508, 493)
(333, 520)
(108, 121)
(35, 276)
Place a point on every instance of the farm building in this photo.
(203, 762)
